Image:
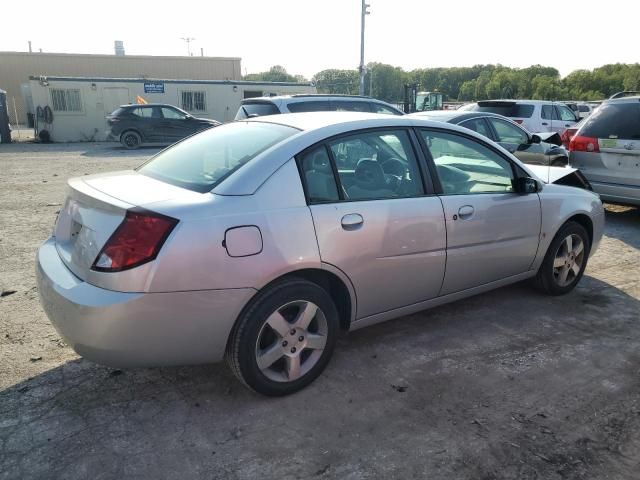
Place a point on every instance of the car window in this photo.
(347, 106)
(247, 110)
(507, 109)
(465, 166)
(509, 133)
(315, 106)
(379, 108)
(318, 176)
(477, 125)
(583, 108)
(377, 165)
(613, 120)
(549, 113)
(143, 112)
(172, 114)
(566, 114)
(202, 161)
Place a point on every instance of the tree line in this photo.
(480, 82)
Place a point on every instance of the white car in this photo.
(534, 115)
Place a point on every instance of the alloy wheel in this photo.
(568, 260)
(291, 341)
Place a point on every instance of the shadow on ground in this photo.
(623, 223)
(510, 384)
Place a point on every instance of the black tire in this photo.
(546, 280)
(560, 162)
(131, 139)
(243, 345)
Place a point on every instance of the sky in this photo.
(307, 36)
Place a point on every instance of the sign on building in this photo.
(153, 87)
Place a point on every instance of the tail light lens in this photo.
(137, 240)
(584, 144)
(519, 122)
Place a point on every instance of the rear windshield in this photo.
(247, 110)
(314, 106)
(613, 120)
(517, 110)
(203, 161)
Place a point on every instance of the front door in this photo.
(174, 125)
(374, 221)
(517, 141)
(492, 232)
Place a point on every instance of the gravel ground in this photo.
(506, 385)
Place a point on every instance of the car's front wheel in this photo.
(284, 338)
(565, 260)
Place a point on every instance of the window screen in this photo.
(66, 100)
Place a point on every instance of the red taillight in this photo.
(584, 144)
(519, 122)
(137, 240)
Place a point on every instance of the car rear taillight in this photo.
(519, 122)
(584, 144)
(137, 240)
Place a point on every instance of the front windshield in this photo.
(202, 161)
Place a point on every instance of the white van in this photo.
(534, 115)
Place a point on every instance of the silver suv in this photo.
(607, 150)
(255, 107)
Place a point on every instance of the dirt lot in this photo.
(510, 384)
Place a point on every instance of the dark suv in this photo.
(254, 107)
(153, 124)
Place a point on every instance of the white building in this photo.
(78, 105)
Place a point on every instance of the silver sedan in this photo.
(261, 240)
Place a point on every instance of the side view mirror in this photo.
(535, 138)
(526, 185)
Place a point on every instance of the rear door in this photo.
(374, 218)
(146, 119)
(616, 126)
(567, 118)
(492, 232)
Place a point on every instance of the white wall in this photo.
(99, 98)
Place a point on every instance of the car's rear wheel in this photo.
(284, 338)
(565, 260)
(131, 139)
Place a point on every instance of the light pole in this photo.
(365, 6)
(188, 40)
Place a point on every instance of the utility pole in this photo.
(188, 40)
(365, 6)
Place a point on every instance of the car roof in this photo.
(459, 116)
(631, 99)
(508, 101)
(315, 127)
(136, 105)
(311, 96)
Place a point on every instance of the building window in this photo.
(194, 102)
(66, 100)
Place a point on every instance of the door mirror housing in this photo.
(535, 139)
(526, 185)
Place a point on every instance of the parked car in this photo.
(260, 240)
(606, 149)
(528, 147)
(586, 109)
(568, 134)
(153, 124)
(534, 115)
(254, 107)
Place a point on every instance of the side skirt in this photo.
(435, 302)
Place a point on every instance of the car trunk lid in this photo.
(94, 208)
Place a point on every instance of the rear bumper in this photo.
(136, 329)
(616, 193)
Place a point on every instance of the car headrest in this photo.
(369, 174)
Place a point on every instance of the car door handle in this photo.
(465, 212)
(352, 221)
(545, 123)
